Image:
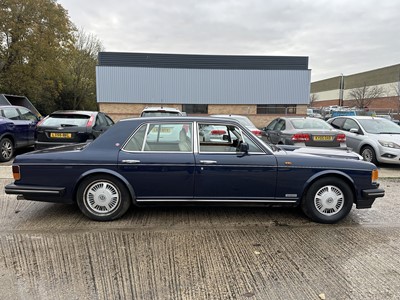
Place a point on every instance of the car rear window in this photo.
(66, 120)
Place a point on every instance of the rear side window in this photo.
(11, 113)
(164, 137)
(337, 123)
(66, 120)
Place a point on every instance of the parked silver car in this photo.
(304, 131)
(376, 139)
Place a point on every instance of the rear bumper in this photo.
(38, 193)
(368, 197)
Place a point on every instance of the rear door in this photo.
(157, 164)
(20, 128)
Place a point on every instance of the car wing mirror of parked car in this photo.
(354, 130)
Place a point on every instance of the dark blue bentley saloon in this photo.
(158, 161)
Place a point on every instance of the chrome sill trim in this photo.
(217, 200)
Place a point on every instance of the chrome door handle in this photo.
(130, 161)
(208, 162)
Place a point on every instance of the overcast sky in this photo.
(338, 36)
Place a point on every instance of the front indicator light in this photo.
(374, 175)
(16, 172)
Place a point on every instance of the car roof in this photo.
(74, 112)
(17, 106)
(358, 117)
(156, 108)
(182, 119)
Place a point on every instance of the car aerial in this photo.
(160, 111)
(245, 121)
(17, 130)
(65, 127)
(376, 139)
(304, 131)
(132, 163)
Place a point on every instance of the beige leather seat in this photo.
(185, 143)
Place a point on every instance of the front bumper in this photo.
(369, 197)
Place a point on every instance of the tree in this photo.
(364, 95)
(79, 90)
(35, 36)
(396, 88)
(313, 99)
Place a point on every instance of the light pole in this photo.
(341, 89)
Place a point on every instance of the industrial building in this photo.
(260, 87)
(380, 88)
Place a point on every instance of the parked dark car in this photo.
(70, 127)
(159, 161)
(17, 130)
(301, 131)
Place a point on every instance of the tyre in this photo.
(328, 200)
(103, 198)
(7, 149)
(368, 154)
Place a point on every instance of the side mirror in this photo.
(354, 130)
(244, 148)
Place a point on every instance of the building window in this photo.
(282, 109)
(195, 108)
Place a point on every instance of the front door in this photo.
(223, 173)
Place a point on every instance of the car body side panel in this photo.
(232, 176)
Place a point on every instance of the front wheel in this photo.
(368, 154)
(328, 200)
(7, 149)
(103, 198)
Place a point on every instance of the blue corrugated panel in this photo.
(202, 86)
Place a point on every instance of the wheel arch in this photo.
(94, 172)
(337, 174)
(368, 144)
(9, 136)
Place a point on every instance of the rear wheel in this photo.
(103, 198)
(328, 200)
(7, 149)
(368, 154)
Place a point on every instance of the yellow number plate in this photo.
(323, 138)
(163, 130)
(60, 135)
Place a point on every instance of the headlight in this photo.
(389, 144)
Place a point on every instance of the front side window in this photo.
(215, 137)
(165, 137)
(26, 114)
(350, 124)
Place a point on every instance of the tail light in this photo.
(257, 132)
(218, 132)
(341, 137)
(90, 121)
(41, 121)
(16, 172)
(301, 137)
